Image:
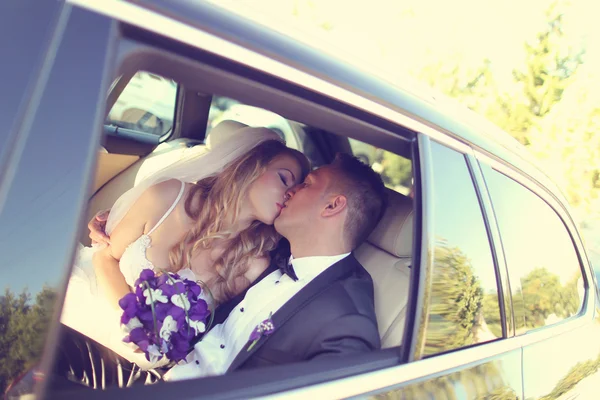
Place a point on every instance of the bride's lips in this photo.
(280, 206)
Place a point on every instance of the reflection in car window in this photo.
(395, 170)
(147, 104)
(463, 306)
(545, 274)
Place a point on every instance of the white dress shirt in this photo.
(219, 347)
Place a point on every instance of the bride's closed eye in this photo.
(287, 181)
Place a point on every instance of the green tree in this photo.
(397, 171)
(23, 327)
(549, 66)
(567, 142)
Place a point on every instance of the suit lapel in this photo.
(337, 271)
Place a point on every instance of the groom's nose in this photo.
(290, 192)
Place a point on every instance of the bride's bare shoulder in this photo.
(163, 193)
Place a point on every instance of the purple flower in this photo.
(199, 311)
(129, 306)
(164, 315)
(194, 290)
(147, 275)
(265, 328)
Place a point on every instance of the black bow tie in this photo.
(288, 269)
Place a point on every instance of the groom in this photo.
(321, 301)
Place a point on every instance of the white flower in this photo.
(181, 301)
(154, 353)
(132, 324)
(173, 281)
(169, 326)
(198, 326)
(156, 295)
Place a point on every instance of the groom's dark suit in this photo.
(333, 315)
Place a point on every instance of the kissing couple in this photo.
(270, 240)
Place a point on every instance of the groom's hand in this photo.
(97, 226)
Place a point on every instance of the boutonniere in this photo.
(265, 328)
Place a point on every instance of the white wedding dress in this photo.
(86, 309)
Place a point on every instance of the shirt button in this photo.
(242, 309)
(276, 282)
(222, 346)
(197, 362)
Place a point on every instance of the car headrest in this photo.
(223, 132)
(395, 230)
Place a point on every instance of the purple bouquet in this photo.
(164, 315)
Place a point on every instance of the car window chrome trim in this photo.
(143, 18)
(500, 266)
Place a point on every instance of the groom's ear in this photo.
(335, 205)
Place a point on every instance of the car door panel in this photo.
(564, 366)
(553, 293)
(496, 378)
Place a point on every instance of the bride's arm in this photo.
(106, 261)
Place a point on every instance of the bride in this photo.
(208, 217)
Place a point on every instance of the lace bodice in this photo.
(134, 260)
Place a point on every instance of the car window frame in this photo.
(586, 312)
(414, 370)
(428, 245)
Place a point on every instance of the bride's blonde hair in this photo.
(218, 199)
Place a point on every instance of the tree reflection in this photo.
(484, 381)
(23, 327)
(574, 376)
(542, 299)
(456, 314)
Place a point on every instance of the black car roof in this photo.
(436, 109)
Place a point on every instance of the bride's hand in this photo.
(97, 226)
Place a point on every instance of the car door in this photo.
(553, 291)
(55, 125)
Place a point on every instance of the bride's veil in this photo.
(194, 168)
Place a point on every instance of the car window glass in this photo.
(463, 305)
(395, 170)
(544, 270)
(147, 104)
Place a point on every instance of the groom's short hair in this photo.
(365, 195)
